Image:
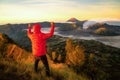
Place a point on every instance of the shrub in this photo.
(74, 54)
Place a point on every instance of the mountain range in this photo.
(19, 34)
(92, 22)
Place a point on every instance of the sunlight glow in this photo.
(56, 10)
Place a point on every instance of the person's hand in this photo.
(29, 25)
(52, 23)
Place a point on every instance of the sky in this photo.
(26, 11)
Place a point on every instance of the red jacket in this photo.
(38, 39)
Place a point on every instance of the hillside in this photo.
(9, 49)
(17, 63)
(99, 58)
(99, 61)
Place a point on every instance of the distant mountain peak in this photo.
(73, 20)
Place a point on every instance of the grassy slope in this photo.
(11, 70)
(104, 64)
(13, 67)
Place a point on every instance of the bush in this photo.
(74, 54)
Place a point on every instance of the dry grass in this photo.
(18, 64)
(10, 70)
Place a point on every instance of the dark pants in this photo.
(45, 62)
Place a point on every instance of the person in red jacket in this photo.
(38, 40)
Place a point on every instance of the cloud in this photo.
(110, 21)
(10, 1)
(97, 2)
(58, 2)
(45, 2)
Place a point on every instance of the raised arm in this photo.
(52, 28)
(48, 35)
(29, 30)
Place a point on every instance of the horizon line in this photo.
(58, 21)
